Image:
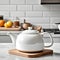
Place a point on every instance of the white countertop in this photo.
(5, 56)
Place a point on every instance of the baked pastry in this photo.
(16, 23)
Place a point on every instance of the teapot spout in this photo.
(12, 36)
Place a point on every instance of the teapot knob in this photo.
(29, 28)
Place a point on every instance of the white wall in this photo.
(32, 10)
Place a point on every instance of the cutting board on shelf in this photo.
(31, 55)
(10, 29)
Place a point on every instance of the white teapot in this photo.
(31, 41)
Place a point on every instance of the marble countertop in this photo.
(4, 55)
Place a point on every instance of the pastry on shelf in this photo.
(16, 24)
(25, 25)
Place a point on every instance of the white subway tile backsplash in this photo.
(4, 2)
(17, 14)
(51, 13)
(55, 7)
(9, 18)
(33, 2)
(17, 1)
(7, 7)
(44, 25)
(33, 14)
(32, 11)
(4, 13)
(41, 7)
(54, 20)
(24, 7)
(53, 26)
(40, 20)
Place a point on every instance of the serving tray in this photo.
(10, 29)
(31, 55)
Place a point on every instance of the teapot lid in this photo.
(30, 31)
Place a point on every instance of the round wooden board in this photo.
(31, 55)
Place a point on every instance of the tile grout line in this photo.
(9, 7)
